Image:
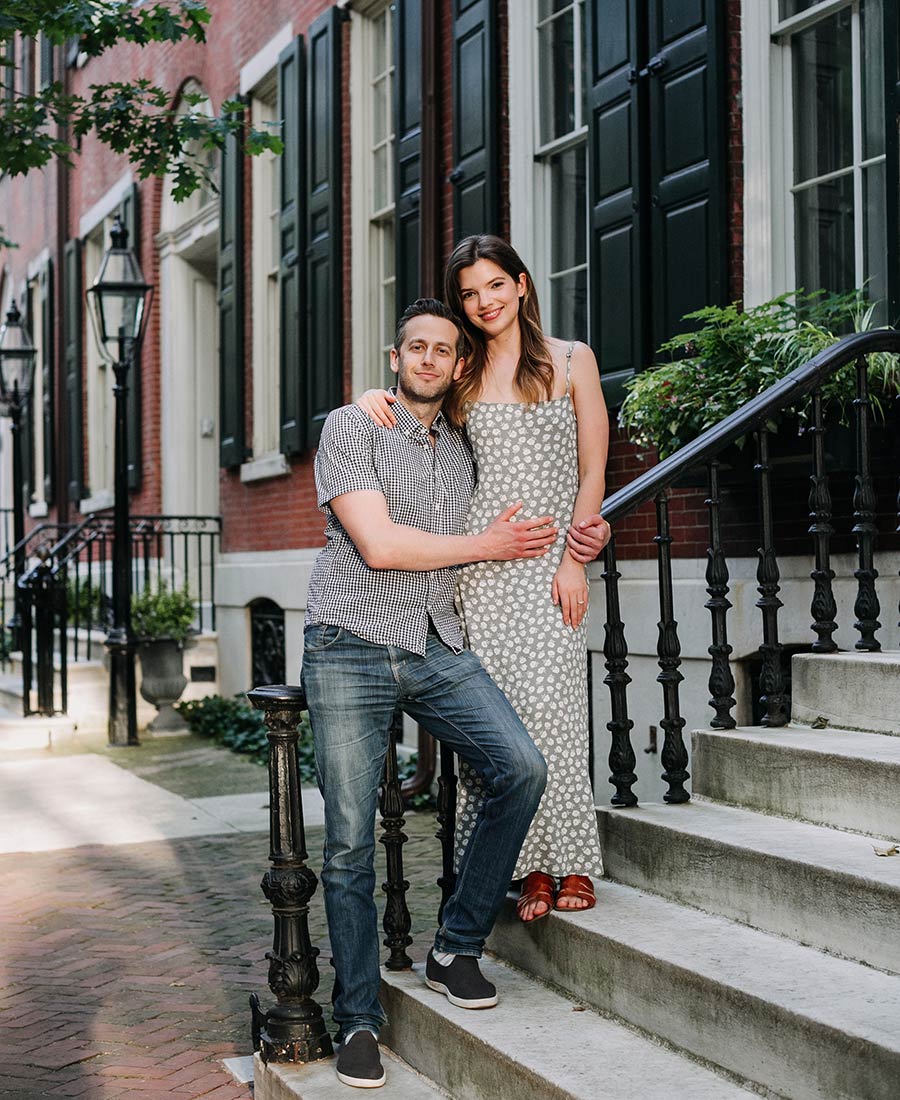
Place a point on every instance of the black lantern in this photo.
(17, 355)
(121, 301)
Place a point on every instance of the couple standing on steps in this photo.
(479, 387)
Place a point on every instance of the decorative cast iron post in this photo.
(396, 921)
(294, 1029)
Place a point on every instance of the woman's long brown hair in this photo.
(534, 372)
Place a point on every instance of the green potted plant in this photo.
(734, 354)
(162, 621)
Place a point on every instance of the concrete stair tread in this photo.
(800, 980)
(840, 852)
(853, 744)
(318, 1081)
(536, 1041)
(851, 689)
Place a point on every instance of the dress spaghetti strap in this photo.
(569, 351)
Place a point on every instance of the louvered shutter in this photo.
(130, 214)
(73, 367)
(48, 379)
(476, 118)
(231, 305)
(408, 151)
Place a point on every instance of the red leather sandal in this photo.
(536, 887)
(576, 886)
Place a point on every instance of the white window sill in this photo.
(99, 502)
(272, 465)
(38, 509)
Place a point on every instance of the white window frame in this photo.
(368, 347)
(530, 170)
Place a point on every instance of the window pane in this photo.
(557, 73)
(823, 98)
(568, 305)
(825, 246)
(787, 8)
(875, 239)
(549, 7)
(873, 78)
(381, 116)
(381, 196)
(569, 213)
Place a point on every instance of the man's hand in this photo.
(585, 540)
(506, 539)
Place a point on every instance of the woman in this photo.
(536, 418)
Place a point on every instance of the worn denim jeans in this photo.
(353, 688)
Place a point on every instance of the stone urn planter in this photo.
(163, 680)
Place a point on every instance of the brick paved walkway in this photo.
(125, 971)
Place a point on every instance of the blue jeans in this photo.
(353, 688)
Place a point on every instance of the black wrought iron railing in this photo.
(65, 593)
(295, 1039)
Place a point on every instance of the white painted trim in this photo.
(271, 465)
(35, 265)
(757, 56)
(199, 226)
(104, 206)
(38, 509)
(99, 502)
(264, 61)
(523, 94)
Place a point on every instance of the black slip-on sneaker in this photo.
(461, 981)
(359, 1063)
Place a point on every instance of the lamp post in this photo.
(120, 299)
(17, 355)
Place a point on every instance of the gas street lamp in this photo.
(120, 301)
(17, 355)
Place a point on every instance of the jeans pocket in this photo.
(321, 636)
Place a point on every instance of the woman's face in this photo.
(490, 297)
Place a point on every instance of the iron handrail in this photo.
(778, 397)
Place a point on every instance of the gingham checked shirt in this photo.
(425, 487)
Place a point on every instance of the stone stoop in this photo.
(317, 1081)
(859, 691)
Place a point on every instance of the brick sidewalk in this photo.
(125, 971)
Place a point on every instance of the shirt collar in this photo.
(410, 424)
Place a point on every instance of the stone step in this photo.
(857, 691)
(536, 1043)
(816, 885)
(847, 779)
(317, 1081)
(790, 1018)
(18, 734)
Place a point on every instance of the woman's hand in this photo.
(377, 403)
(570, 591)
(586, 540)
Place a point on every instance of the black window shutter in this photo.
(291, 265)
(130, 213)
(476, 118)
(48, 379)
(324, 270)
(26, 425)
(9, 73)
(72, 353)
(891, 38)
(408, 150)
(46, 73)
(618, 291)
(231, 305)
(688, 209)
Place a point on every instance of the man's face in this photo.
(426, 364)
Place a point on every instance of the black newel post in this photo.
(396, 921)
(294, 1029)
(17, 356)
(120, 300)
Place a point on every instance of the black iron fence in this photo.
(63, 601)
(293, 973)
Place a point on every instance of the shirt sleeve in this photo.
(345, 459)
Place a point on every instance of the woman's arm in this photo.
(377, 404)
(570, 584)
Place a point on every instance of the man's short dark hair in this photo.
(430, 307)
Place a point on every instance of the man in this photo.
(382, 632)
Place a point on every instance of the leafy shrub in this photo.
(85, 602)
(735, 354)
(236, 725)
(159, 613)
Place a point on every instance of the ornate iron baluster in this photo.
(767, 574)
(615, 652)
(397, 922)
(674, 755)
(446, 819)
(823, 607)
(721, 680)
(866, 607)
(293, 1030)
